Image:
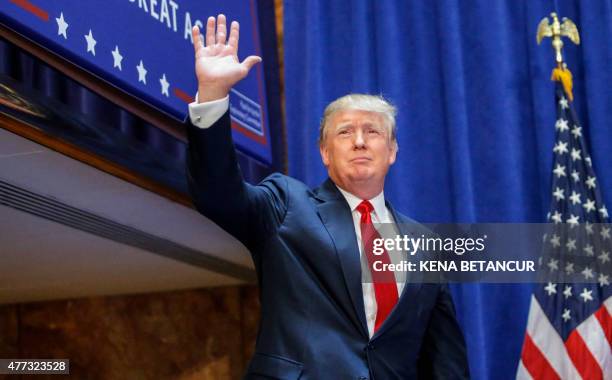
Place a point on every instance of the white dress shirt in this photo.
(204, 115)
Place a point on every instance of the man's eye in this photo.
(343, 132)
(374, 131)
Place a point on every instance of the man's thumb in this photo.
(250, 61)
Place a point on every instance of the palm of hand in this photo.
(219, 64)
(216, 63)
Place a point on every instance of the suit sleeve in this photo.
(249, 213)
(443, 353)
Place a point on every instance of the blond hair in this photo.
(361, 102)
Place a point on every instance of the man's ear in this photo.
(393, 156)
(324, 154)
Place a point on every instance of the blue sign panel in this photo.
(145, 48)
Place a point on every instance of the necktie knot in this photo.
(365, 207)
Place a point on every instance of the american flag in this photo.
(569, 330)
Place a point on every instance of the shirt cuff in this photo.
(204, 115)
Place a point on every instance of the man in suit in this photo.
(319, 320)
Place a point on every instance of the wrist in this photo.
(207, 93)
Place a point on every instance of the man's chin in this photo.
(361, 177)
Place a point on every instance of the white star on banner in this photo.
(589, 228)
(575, 197)
(590, 182)
(559, 170)
(605, 233)
(571, 245)
(569, 269)
(553, 264)
(604, 212)
(563, 103)
(577, 131)
(589, 205)
(556, 217)
(142, 72)
(567, 292)
(164, 85)
(117, 58)
(603, 280)
(575, 176)
(561, 125)
(62, 26)
(586, 295)
(551, 288)
(566, 315)
(588, 161)
(587, 273)
(560, 148)
(573, 220)
(604, 257)
(576, 154)
(555, 241)
(91, 43)
(558, 194)
(589, 250)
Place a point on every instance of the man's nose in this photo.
(359, 139)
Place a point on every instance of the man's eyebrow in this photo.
(344, 124)
(349, 123)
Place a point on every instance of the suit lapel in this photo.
(336, 216)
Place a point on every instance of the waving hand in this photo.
(216, 59)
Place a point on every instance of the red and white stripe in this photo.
(586, 354)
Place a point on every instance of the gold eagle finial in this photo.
(556, 30)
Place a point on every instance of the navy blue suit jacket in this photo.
(303, 244)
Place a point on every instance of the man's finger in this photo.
(250, 61)
(234, 35)
(210, 31)
(221, 29)
(197, 39)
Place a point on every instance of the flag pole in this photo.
(556, 30)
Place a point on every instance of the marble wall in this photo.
(193, 334)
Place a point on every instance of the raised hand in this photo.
(216, 65)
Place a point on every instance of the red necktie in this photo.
(385, 287)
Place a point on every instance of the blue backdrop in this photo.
(476, 118)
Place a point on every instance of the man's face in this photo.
(357, 149)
